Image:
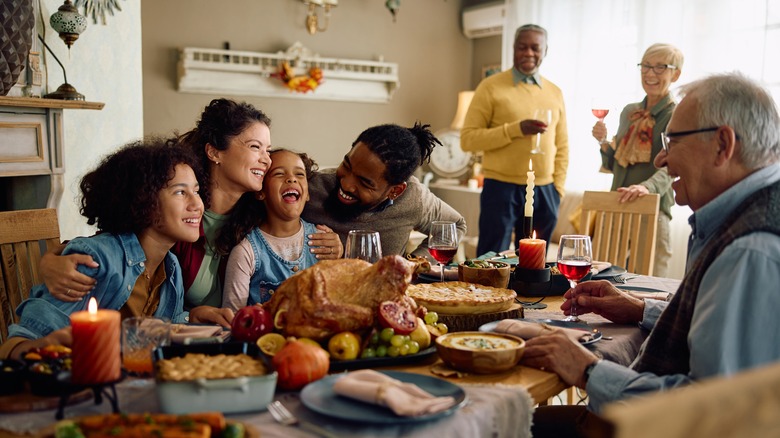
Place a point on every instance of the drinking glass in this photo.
(575, 257)
(140, 336)
(599, 108)
(443, 243)
(363, 245)
(544, 116)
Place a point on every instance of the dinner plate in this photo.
(638, 288)
(358, 364)
(597, 335)
(610, 272)
(319, 397)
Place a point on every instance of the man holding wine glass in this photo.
(630, 154)
(502, 123)
(723, 317)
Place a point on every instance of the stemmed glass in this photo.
(575, 257)
(599, 109)
(544, 116)
(363, 245)
(443, 243)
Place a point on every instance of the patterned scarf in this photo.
(637, 145)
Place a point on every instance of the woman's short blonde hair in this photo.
(671, 54)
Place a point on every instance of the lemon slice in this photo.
(271, 343)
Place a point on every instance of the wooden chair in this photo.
(624, 233)
(24, 236)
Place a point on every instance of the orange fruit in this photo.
(271, 343)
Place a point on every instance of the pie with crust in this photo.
(460, 298)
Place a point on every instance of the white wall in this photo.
(105, 66)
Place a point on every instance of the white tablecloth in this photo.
(491, 411)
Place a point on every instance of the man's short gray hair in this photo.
(533, 28)
(734, 100)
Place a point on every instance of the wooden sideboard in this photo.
(32, 151)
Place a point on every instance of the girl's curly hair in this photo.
(250, 212)
(121, 194)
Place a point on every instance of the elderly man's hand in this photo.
(602, 298)
(559, 354)
(531, 127)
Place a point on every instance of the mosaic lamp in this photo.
(68, 23)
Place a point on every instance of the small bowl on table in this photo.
(480, 352)
(484, 272)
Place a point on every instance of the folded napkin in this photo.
(185, 333)
(528, 330)
(405, 399)
(450, 273)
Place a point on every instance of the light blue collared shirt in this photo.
(518, 76)
(735, 314)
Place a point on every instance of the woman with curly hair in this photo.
(143, 199)
(230, 141)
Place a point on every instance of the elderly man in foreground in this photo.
(722, 148)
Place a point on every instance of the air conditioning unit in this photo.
(484, 20)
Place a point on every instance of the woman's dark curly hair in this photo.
(220, 121)
(250, 212)
(401, 149)
(121, 194)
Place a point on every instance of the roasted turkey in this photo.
(338, 295)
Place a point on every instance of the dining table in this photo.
(498, 404)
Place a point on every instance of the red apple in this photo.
(250, 323)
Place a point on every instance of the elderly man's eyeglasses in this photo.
(658, 69)
(666, 137)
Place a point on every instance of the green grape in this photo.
(405, 349)
(393, 351)
(414, 347)
(374, 340)
(431, 318)
(368, 353)
(407, 339)
(443, 329)
(386, 334)
(397, 340)
(381, 351)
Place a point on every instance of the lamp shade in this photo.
(68, 22)
(464, 100)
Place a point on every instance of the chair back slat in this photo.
(24, 236)
(625, 233)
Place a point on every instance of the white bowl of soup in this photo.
(480, 352)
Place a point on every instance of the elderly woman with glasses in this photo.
(629, 156)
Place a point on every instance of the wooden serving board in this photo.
(463, 323)
(26, 401)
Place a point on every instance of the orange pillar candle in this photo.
(531, 253)
(96, 346)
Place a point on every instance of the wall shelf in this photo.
(217, 71)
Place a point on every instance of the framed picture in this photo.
(490, 69)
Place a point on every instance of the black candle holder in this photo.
(107, 389)
(531, 283)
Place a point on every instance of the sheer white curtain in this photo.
(594, 46)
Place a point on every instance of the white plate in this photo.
(490, 326)
(319, 397)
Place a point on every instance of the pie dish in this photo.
(461, 298)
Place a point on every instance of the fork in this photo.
(283, 416)
(623, 278)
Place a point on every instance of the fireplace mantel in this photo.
(31, 150)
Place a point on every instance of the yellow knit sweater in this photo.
(492, 125)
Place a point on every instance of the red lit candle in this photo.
(531, 253)
(96, 345)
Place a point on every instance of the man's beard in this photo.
(339, 210)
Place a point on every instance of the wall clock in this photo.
(449, 160)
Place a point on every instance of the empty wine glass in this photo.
(363, 245)
(443, 243)
(544, 116)
(575, 257)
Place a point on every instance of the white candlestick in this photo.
(529, 191)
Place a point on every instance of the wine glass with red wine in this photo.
(575, 256)
(443, 243)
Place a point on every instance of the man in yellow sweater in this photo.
(500, 123)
